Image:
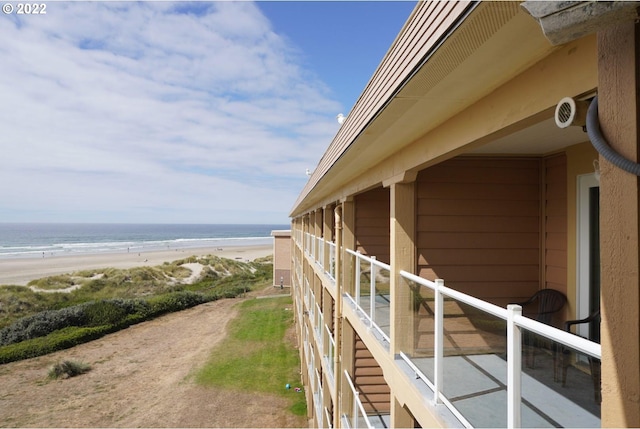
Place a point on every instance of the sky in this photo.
(177, 112)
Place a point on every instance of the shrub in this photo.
(68, 369)
(41, 324)
(93, 313)
(175, 301)
(59, 340)
(114, 311)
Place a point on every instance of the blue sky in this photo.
(176, 112)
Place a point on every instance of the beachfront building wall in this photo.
(282, 246)
(450, 193)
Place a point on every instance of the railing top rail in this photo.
(326, 328)
(418, 279)
(353, 388)
(568, 339)
(563, 337)
(452, 293)
(370, 260)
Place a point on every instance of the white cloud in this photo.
(154, 111)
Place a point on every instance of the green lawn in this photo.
(256, 355)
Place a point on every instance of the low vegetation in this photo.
(34, 323)
(257, 355)
(68, 368)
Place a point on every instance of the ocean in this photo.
(23, 240)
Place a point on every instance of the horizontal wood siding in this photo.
(368, 379)
(556, 222)
(478, 226)
(372, 230)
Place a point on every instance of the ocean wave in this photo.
(32, 240)
(124, 246)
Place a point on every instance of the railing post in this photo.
(514, 368)
(354, 414)
(438, 361)
(357, 274)
(372, 293)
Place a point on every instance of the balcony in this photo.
(492, 367)
(372, 296)
(488, 366)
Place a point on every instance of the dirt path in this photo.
(140, 377)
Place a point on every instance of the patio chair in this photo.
(549, 302)
(594, 364)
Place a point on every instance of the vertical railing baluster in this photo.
(514, 368)
(358, 279)
(372, 294)
(438, 361)
(355, 409)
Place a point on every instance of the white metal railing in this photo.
(312, 306)
(318, 326)
(318, 399)
(327, 416)
(515, 321)
(329, 350)
(307, 243)
(320, 254)
(311, 367)
(307, 346)
(376, 313)
(331, 269)
(358, 413)
(307, 291)
(315, 248)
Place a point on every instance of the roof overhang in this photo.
(446, 58)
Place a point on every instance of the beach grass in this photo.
(258, 354)
(34, 323)
(222, 275)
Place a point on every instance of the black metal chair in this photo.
(549, 302)
(594, 364)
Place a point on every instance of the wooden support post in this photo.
(618, 62)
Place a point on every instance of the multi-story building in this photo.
(461, 184)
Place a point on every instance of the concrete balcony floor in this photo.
(476, 386)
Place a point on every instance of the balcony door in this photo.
(588, 288)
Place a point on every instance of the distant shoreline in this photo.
(20, 271)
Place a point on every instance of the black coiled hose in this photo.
(601, 145)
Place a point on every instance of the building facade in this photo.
(281, 258)
(465, 254)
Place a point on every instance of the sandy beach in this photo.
(20, 271)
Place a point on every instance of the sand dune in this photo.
(20, 271)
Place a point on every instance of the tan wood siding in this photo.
(372, 210)
(479, 226)
(556, 222)
(368, 379)
(283, 274)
